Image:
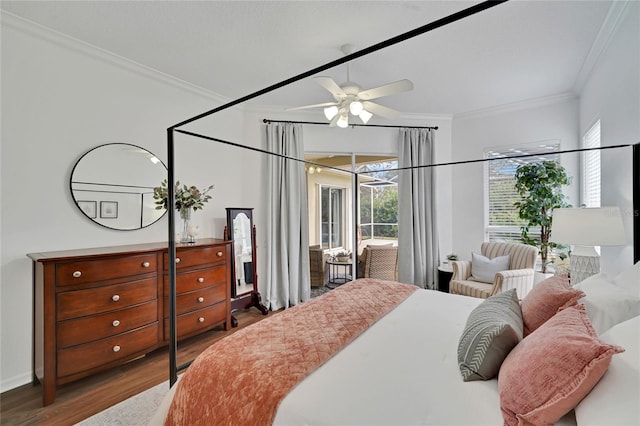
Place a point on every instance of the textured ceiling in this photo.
(516, 51)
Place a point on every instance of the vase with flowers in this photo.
(187, 199)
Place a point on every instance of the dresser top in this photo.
(131, 248)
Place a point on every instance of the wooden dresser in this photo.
(99, 308)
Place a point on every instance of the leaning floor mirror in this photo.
(244, 284)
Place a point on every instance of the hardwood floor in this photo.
(84, 398)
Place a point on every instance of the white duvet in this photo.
(402, 371)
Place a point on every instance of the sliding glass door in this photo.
(332, 216)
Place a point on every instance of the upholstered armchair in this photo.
(518, 275)
(379, 262)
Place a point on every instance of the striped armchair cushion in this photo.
(521, 256)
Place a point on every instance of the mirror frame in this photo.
(232, 213)
(97, 205)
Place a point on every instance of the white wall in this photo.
(552, 119)
(61, 98)
(612, 95)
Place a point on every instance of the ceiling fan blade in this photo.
(386, 90)
(329, 84)
(334, 121)
(380, 110)
(322, 105)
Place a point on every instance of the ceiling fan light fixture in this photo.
(343, 121)
(365, 116)
(330, 112)
(356, 107)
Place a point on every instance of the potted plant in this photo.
(540, 186)
(452, 257)
(343, 256)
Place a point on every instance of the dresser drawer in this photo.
(186, 258)
(194, 280)
(81, 272)
(78, 303)
(187, 302)
(84, 357)
(198, 320)
(77, 331)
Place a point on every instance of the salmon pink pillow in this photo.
(549, 372)
(545, 299)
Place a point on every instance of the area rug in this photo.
(135, 411)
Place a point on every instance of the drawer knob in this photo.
(177, 260)
(77, 274)
(115, 323)
(116, 348)
(200, 280)
(115, 297)
(219, 254)
(145, 264)
(200, 299)
(201, 319)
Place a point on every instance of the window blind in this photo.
(503, 223)
(590, 165)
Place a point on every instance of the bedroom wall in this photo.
(61, 98)
(550, 119)
(615, 101)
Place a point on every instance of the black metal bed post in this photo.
(636, 202)
(354, 255)
(173, 335)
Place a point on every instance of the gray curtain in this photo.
(287, 253)
(417, 229)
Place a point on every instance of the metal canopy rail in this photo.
(320, 123)
(173, 349)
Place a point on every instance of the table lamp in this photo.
(585, 228)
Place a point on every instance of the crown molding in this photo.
(45, 33)
(517, 106)
(612, 21)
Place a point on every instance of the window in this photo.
(503, 223)
(379, 200)
(332, 216)
(590, 165)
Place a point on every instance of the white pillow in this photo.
(606, 303)
(484, 269)
(614, 400)
(629, 279)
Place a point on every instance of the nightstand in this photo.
(445, 272)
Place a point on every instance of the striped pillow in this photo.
(493, 328)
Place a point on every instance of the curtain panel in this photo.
(287, 254)
(418, 254)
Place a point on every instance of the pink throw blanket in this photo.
(242, 378)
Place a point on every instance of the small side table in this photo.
(335, 279)
(445, 272)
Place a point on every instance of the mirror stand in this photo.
(244, 286)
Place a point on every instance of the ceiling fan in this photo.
(350, 98)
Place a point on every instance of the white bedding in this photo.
(401, 371)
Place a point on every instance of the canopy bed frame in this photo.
(176, 129)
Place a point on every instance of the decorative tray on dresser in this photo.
(99, 308)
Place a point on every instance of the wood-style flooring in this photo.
(79, 400)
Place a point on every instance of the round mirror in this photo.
(113, 185)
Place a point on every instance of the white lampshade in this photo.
(330, 112)
(585, 228)
(600, 226)
(356, 107)
(343, 121)
(365, 116)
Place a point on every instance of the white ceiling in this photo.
(516, 51)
